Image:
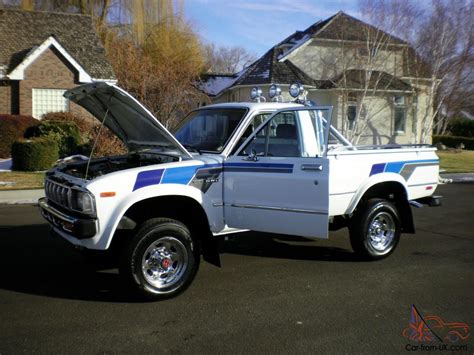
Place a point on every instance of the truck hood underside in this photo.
(125, 117)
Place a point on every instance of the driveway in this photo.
(274, 294)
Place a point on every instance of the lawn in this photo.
(452, 162)
(19, 180)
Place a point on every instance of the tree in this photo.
(155, 53)
(226, 60)
(440, 58)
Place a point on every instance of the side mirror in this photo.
(252, 156)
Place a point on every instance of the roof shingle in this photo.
(22, 31)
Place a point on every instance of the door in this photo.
(277, 181)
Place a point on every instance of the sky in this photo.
(257, 25)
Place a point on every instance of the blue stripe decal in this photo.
(181, 175)
(259, 168)
(377, 168)
(184, 175)
(147, 178)
(397, 166)
(260, 165)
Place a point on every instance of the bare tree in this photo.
(361, 63)
(226, 60)
(440, 60)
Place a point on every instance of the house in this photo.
(375, 82)
(42, 54)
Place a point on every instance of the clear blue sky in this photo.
(257, 25)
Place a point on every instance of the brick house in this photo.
(375, 82)
(42, 54)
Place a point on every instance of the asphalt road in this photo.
(273, 294)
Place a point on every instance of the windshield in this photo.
(209, 129)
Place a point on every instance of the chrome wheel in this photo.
(164, 262)
(381, 231)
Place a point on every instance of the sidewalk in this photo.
(15, 197)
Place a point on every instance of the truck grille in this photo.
(57, 193)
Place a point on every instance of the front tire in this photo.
(375, 230)
(161, 260)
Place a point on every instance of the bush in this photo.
(34, 154)
(108, 143)
(12, 127)
(453, 142)
(461, 127)
(66, 134)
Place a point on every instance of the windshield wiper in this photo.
(192, 148)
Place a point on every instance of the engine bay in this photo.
(102, 166)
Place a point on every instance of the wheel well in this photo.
(183, 209)
(394, 192)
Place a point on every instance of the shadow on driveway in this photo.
(33, 262)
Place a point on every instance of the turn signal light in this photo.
(107, 194)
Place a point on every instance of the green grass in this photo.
(457, 162)
(19, 180)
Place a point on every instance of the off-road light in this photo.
(274, 91)
(255, 93)
(296, 90)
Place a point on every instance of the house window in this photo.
(48, 100)
(351, 111)
(400, 114)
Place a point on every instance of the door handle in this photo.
(312, 167)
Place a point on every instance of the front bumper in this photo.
(80, 228)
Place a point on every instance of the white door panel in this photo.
(277, 195)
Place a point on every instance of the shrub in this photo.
(12, 127)
(35, 154)
(453, 142)
(461, 127)
(108, 143)
(66, 134)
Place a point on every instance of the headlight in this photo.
(274, 91)
(82, 201)
(296, 90)
(255, 93)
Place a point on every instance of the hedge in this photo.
(453, 141)
(461, 127)
(65, 133)
(12, 127)
(34, 154)
(107, 144)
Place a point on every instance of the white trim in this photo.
(19, 72)
(296, 48)
(110, 81)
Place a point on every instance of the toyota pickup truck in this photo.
(258, 166)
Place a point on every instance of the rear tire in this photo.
(161, 260)
(375, 230)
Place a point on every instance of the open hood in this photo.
(126, 117)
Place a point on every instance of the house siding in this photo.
(5, 97)
(49, 71)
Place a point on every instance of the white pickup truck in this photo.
(267, 167)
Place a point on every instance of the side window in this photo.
(279, 138)
(257, 120)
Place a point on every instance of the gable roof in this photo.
(268, 70)
(21, 32)
(340, 26)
